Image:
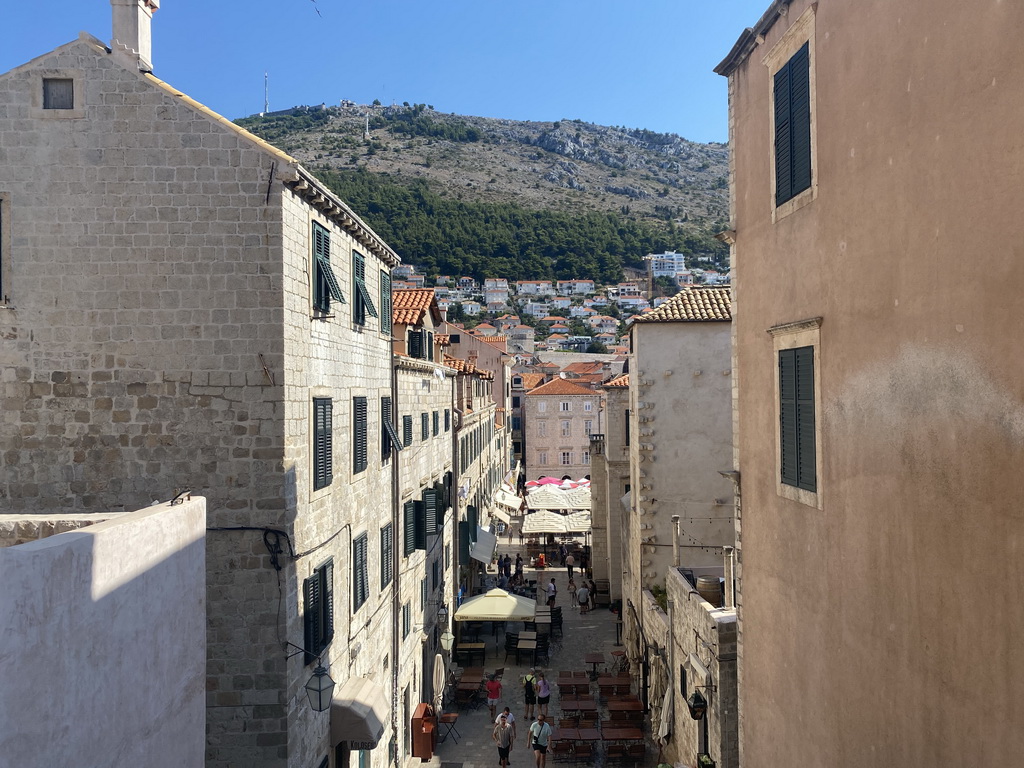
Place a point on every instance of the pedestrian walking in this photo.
(520, 536)
(529, 692)
(563, 551)
(507, 714)
(493, 693)
(543, 694)
(552, 591)
(583, 596)
(540, 740)
(573, 602)
(570, 561)
(510, 535)
(504, 736)
(508, 565)
(519, 564)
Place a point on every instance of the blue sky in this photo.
(645, 64)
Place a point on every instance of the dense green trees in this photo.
(446, 236)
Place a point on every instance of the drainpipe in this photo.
(396, 607)
(675, 541)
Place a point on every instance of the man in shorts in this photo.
(583, 595)
(540, 740)
(504, 737)
(510, 718)
(493, 693)
(530, 692)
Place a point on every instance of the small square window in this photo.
(58, 93)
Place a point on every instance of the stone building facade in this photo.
(878, 421)
(185, 306)
(558, 419)
(610, 484)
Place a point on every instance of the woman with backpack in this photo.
(530, 692)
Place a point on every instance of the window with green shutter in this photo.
(358, 434)
(387, 554)
(796, 418)
(409, 526)
(318, 610)
(360, 582)
(436, 423)
(424, 426)
(407, 430)
(419, 514)
(464, 542)
(792, 94)
(322, 442)
(414, 345)
(447, 419)
(362, 304)
(406, 620)
(385, 302)
(473, 520)
(432, 512)
(325, 284)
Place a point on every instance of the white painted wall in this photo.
(104, 646)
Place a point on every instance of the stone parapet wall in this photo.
(19, 529)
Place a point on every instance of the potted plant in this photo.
(704, 760)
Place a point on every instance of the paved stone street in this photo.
(589, 633)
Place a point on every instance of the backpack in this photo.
(528, 686)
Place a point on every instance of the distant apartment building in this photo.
(535, 308)
(472, 307)
(468, 284)
(559, 418)
(575, 287)
(561, 302)
(496, 284)
(669, 264)
(521, 339)
(535, 288)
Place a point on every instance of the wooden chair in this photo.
(590, 721)
(465, 699)
(584, 753)
(562, 751)
(498, 673)
(567, 722)
(636, 753)
(616, 752)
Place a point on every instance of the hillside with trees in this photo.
(523, 200)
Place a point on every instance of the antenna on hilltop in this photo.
(266, 92)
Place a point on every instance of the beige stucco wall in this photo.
(609, 483)
(911, 255)
(104, 645)
(553, 442)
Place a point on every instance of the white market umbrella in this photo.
(665, 726)
(543, 522)
(439, 684)
(497, 605)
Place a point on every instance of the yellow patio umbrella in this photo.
(497, 605)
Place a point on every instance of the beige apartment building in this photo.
(186, 307)
(875, 174)
(558, 419)
(610, 485)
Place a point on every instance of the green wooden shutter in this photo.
(424, 426)
(386, 554)
(800, 118)
(385, 302)
(358, 434)
(430, 506)
(409, 539)
(793, 126)
(464, 542)
(420, 516)
(447, 419)
(787, 416)
(310, 614)
(327, 590)
(806, 456)
(473, 518)
(322, 442)
(415, 348)
(360, 589)
(436, 424)
(385, 435)
(407, 430)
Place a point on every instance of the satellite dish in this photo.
(561, 375)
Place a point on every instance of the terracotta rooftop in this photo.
(619, 381)
(408, 307)
(590, 366)
(463, 366)
(532, 380)
(560, 387)
(692, 305)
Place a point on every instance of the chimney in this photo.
(133, 20)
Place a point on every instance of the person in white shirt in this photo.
(509, 717)
(552, 589)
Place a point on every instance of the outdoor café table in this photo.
(625, 706)
(586, 705)
(473, 671)
(588, 734)
(566, 734)
(527, 635)
(471, 649)
(568, 703)
(622, 734)
(448, 720)
(468, 687)
(613, 680)
(472, 677)
(526, 645)
(595, 659)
